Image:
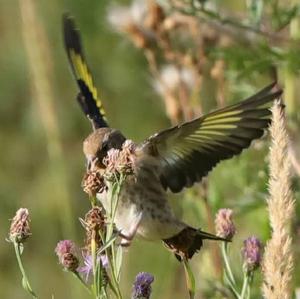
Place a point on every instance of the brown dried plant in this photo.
(278, 256)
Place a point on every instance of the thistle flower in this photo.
(19, 228)
(224, 225)
(87, 269)
(142, 286)
(65, 251)
(251, 253)
(120, 161)
(93, 183)
(94, 219)
(93, 222)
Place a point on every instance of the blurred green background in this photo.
(42, 129)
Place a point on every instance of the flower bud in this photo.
(19, 228)
(65, 251)
(224, 225)
(251, 253)
(142, 286)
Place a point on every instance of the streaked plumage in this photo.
(171, 159)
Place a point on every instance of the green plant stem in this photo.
(245, 288)
(116, 188)
(190, 279)
(228, 272)
(25, 281)
(204, 13)
(94, 260)
(227, 264)
(76, 274)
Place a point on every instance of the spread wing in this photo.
(88, 97)
(189, 151)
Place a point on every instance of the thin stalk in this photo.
(113, 288)
(228, 272)
(245, 287)
(25, 281)
(94, 259)
(190, 279)
(227, 264)
(116, 187)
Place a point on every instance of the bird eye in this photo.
(104, 146)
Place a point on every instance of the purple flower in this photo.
(19, 228)
(142, 286)
(65, 251)
(251, 253)
(87, 269)
(224, 225)
(64, 246)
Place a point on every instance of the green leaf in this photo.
(108, 243)
(119, 259)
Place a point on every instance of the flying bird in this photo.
(171, 159)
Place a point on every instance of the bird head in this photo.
(98, 143)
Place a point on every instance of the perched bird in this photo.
(168, 160)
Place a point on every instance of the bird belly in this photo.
(154, 229)
(143, 206)
(153, 222)
(126, 215)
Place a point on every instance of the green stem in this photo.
(245, 286)
(228, 272)
(227, 264)
(190, 279)
(204, 13)
(116, 188)
(76, 274)
(25, 281)
(97, 283)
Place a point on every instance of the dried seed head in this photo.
(142, 286)
(224, 225)
(93, 183)
(141, 38)
(120, 161)
(155, 16)
(93, 222)
(65, 251)
(251, 253)
(19, 228)
(69, 261)
(131, 20)
(92, 235)
(94, 219)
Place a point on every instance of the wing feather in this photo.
(88, 97)
(189, 151)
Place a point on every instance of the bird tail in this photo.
(87, 98)
(188, 242)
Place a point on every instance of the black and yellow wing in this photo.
(88, 97)
(189, 151)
